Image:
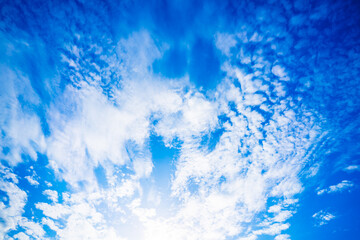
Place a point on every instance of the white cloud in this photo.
(112, 130)
(212, 208)
(21, 128)
(96, 130)
(340, 187)
(256, 37)
(351, 168)
(53, 210)
(280, 72)
(273, 229)
(251, 172)
(51, 194)
(313, 170)
(32, 181)
(12, 209)
(215, 193)
(32, 229)
(322, 217)
(97, 134)
(11, 212)
(283, 237)
(79, 211)
(194, 117)
(138, 52)
(224, 42)
(21, 236)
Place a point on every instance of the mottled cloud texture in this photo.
(193, 120)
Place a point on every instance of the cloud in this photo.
(112, 133)
(16, 199)
(232, 181)
(22, 133)
(32, 181)
(279, 71)
(313, 170)
(222, 190)
(262, 128)
(322, 217)
(51, 194)
(258, 155)
(225, 42)
(112, 130)
(283, 237)
(82, 216)
(89, 211)
(21, 236)
(351, 168)
(32, 229)
(340, 187)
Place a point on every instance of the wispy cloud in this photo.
(340, 187)
(352, 168)
(231, 184)
(218, 191)
(22, 133)
(322, 217)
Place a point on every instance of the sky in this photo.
(179, 120)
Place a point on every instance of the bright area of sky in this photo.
(179, 120)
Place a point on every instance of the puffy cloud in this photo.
(283, 237)
(78, 211)
(21, 236)
(225, 42)
(51, 194)
(278, 71)
(32, 229)
(12, 206)
(32, 181)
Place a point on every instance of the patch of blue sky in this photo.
(39, 170)
(341, 205)
(164, 160)
(210, 139)
(174, 63)
(100, 174)
(204, 64)
(338, 202)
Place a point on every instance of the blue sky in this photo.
(179, 120)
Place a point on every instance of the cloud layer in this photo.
(244, 109)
